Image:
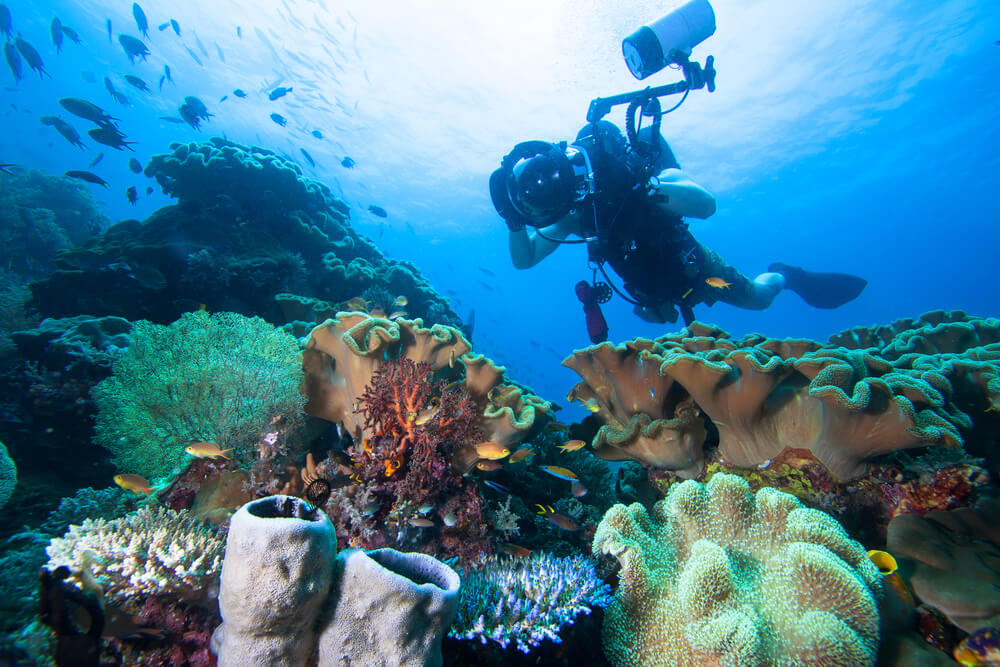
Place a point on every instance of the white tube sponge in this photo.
(276, 576)
(392, 610)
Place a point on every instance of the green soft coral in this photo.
(221, 378)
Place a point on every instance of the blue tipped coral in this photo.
(526, 601)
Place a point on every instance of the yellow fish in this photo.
(886, 565)
(357, 303)
(715, 281)
(552, 427)
(561, 473)
(522, 453)
(401, 301)
(396, 314)
(592, 405)
(491, 450)
(134, 483)
(489, 466)
(207, 450)
(573, 445)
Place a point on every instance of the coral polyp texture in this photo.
(716, 575)
(147, 553)
(766, 396)
(526, 601)
(221, 378)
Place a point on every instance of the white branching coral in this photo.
(716, 575)
(149, 552)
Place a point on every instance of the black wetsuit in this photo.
(651, 249)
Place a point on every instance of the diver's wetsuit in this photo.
(651, 249)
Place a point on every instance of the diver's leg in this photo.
(756, 294)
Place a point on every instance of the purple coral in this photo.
(526, 601)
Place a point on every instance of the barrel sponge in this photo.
(716, 575)
(8, 475)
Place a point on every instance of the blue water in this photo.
(851, 136)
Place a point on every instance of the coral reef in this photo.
(763, 396)
(718, 575)
(248, 227)
(8, 476)
(526, 601)
(147, 553)
(953, 558)
(41, 215)
(221, 378)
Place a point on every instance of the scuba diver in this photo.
(625, 196)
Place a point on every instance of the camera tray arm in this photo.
(695, 77)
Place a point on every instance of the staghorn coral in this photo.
(221, 378)
(715, 575)
(765, 396)
(954, 558)
(526, 601)
(146, 553)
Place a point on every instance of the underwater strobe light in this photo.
(669, 39)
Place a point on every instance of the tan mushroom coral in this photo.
(343, 353)
(954, 557)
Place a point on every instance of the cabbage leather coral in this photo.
(765, 396)
(526, 601)
(147, 553)
(954, 558)
(716, 575)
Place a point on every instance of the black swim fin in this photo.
(822, 290)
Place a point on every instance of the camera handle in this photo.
(695, 78)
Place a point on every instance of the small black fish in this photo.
(173, 119)
(309, 159)
(317, 134)
(57, 33)
(224, 98)
(348, 162)
(100, 156)
(134, 166)
(13, 60)
(109, 136)
(378, 210)
(163, 77)
(280, 91)
(239, 32)
(166, 73)
(65, 129)
(31, 56)
(201, 47)
(6, 23)
(487, 272)
(109, 31)
(239, 93)
(88, 76)
(133, 47)
(137, 83)
(118, 96)
(87, 176)
(218, 49)
(132, 195)
(86, 110)
(69, 32)
(163, 26)
(49, 120)
(176, 26)
(140, 19)
(279, 119)
(149, 189)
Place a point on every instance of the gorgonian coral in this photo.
(526, 601)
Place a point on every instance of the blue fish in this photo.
(348, 162)
(140, 19)
(239, 93)
(497, 487)
(317, 134)
(308, 157)
(280, 91)
(378, 210)
(176, 26)
(279, 119)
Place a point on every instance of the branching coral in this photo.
(526, 601)
(716, 575)
(147, 553)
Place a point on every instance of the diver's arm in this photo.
(684, 197)
(527, 248)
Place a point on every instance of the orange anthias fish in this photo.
(573, 445)
(561, 473)
(134, 483)
(489, 466)
(491, 450)
(207, 450)
(559, 519)
(515, 550)
(522, 453)
(715, 281)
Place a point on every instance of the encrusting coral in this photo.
(8, 475)
(765, 396)
(716, 575)
(147, 553)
